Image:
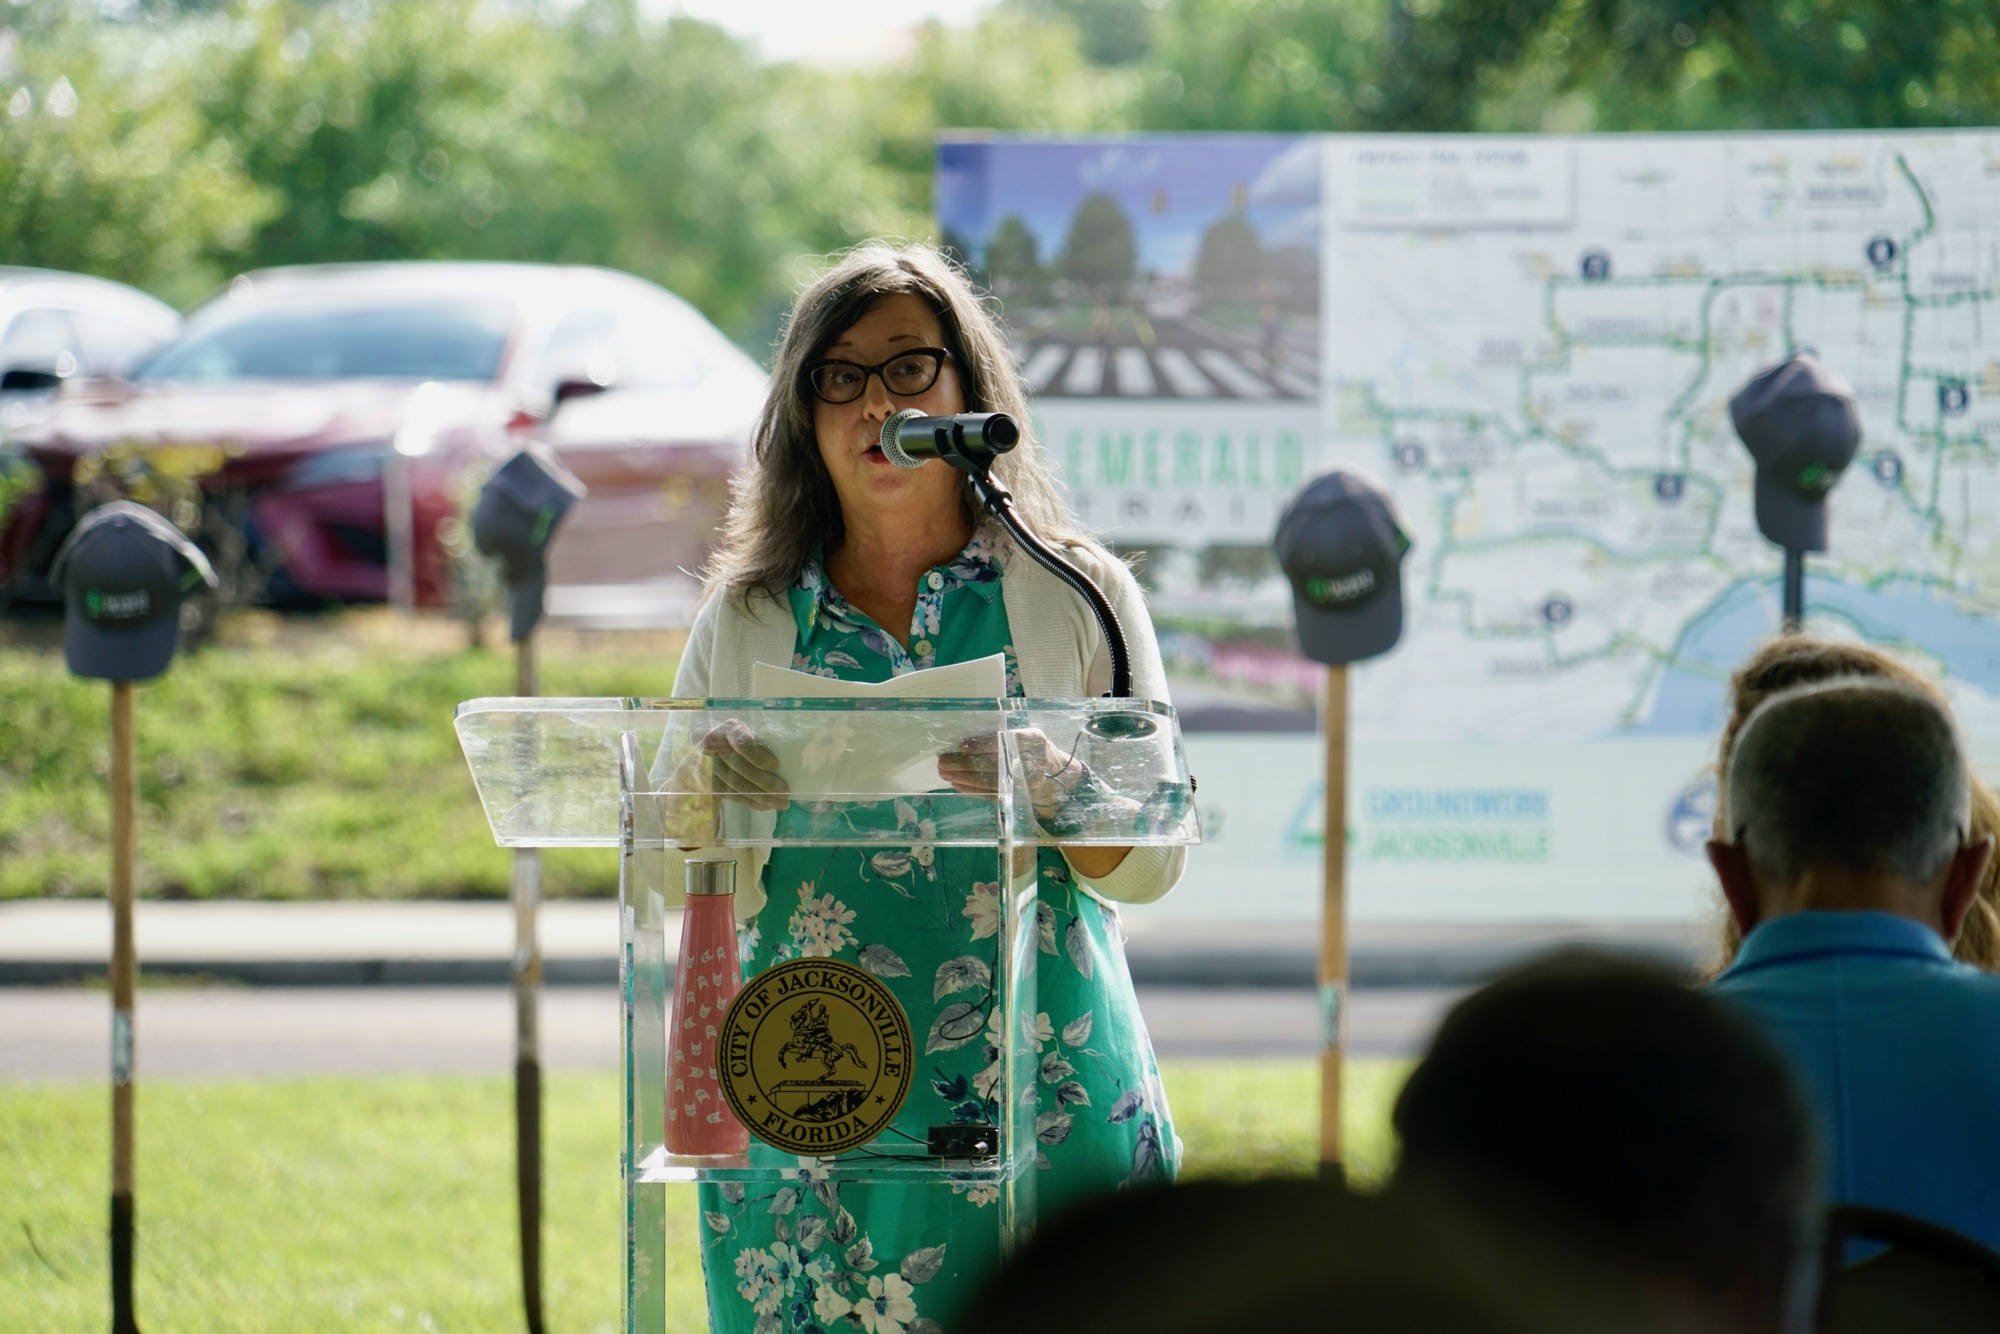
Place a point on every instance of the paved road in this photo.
(423, 943)
(62, 1033)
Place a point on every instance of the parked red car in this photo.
(268, 428)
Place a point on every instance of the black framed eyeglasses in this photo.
(903, 375)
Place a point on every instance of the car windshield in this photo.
(436, 340)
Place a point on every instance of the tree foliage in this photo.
(295, 132)
(1101, 253)
(1567, 64)
(1013, 259)
(106, 169)
(1007, 72)
(1220, 65)
(176, 142)
(410, 135)
(1689, 64)
(1230, 261)
(1109, 32)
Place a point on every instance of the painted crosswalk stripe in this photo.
(1294, 383)
(1085, 376)
(1181, 374)
(1231, 374)
(1134, 373)
(1042, 365)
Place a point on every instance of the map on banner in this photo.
(1534, 341)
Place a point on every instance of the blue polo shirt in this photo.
(1899, 1045)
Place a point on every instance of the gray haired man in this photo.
(1849, 868)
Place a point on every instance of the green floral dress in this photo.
(826, 1257)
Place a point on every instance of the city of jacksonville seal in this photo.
(816, 1056)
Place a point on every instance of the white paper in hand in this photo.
(855, 754)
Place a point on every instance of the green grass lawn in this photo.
(387, 1204)
(296, 758)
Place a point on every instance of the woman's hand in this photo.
(1060, 787)
(744, 769)
(973, 767)
(728, 762)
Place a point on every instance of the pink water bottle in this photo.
(698, 1118)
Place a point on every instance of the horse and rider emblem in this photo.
(815, 1056)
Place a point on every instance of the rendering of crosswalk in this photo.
(1090, 370)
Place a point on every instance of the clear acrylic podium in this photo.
(631, 774)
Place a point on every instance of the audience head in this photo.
(1790, 661)
(1634, 1121)
(1849, 795)
(1219, 1257)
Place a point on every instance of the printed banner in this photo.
(1532, 341)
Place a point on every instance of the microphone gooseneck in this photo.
(999, 502)
(970, 441)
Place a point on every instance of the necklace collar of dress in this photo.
(977, 568)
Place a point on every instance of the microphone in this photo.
(968, 441)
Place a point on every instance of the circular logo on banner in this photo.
(815, 1056)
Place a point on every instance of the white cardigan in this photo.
(1057, 645)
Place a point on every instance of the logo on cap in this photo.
(1339, 590)
(102, 606)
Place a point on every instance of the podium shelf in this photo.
(556, 772)
(659, 1167)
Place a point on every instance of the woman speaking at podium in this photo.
(835, 562)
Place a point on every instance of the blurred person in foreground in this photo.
(837, 563)
(1589, 1145)
(1850, 866)
(1790, 661)
(1639, 1126)
(1284, 1254)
